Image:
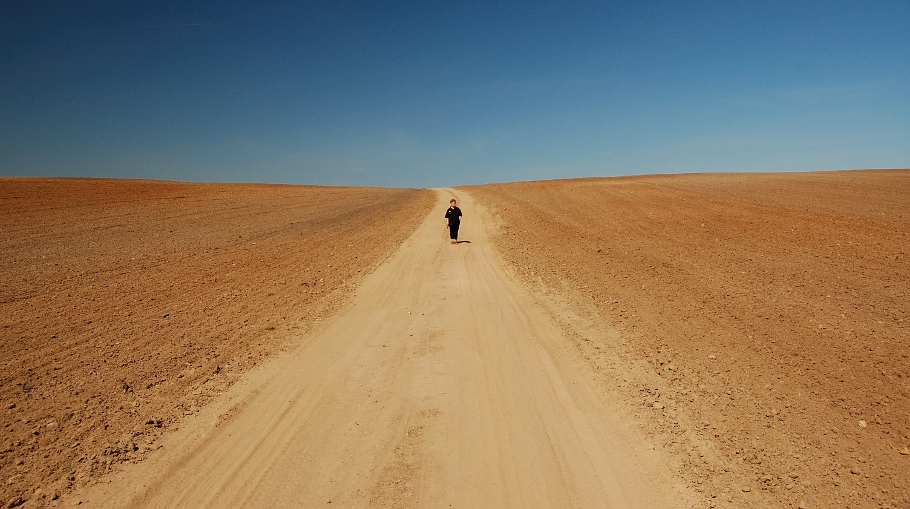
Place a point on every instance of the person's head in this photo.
(452, 202)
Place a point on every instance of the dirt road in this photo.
(442, 384)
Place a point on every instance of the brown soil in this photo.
(772, 310)
(126, 305)
(751, 328)
(441, 384)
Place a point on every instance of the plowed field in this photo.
(724, 340)
(773, 311)
(125, 305)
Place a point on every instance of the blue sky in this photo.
(429, 93)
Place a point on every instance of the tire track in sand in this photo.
(442, 384)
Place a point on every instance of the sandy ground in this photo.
(126, 305)
(443, 384)
(771, 312)
(668, 341)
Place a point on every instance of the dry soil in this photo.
(772, 311)
(733, 340)
(442, 384)
(126, 305)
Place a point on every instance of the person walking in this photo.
(453, 221)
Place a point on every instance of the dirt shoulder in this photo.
(772, 311)
(126, 305)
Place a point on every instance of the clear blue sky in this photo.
(431, 93)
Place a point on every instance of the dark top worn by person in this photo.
(453, 214)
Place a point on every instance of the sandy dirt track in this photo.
(443, 384)
(770, 311)
(126, 305)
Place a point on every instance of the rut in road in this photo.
(442, 383)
